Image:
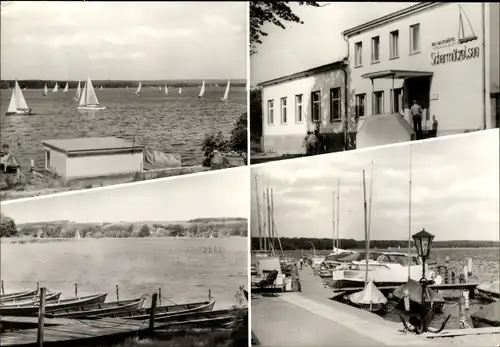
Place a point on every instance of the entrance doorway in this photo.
(418, 89)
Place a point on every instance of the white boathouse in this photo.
(92, 157)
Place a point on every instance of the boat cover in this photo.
(490, 287)
(370, 294)
(160, 160)
(489, 314)
(415, 292)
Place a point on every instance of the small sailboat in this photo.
(17, 105)
(45, 90)
(100, 88)
(166, 90)
(66, 88)
(138, 91)
(180, 90)
(78, 92)
(159, 88)
(25, 88)
(202, 90)
(88, 99)
(226, 93)
(56, 88)
(77, 235)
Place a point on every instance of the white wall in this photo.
(103, 165)
(456, 86)
(57, 162)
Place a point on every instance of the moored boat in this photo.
(95, 309)
(489, 291)
(161, 311)
(32, 309)
(29, 300)
(17, 295)
(370, 298)
(432, 298)
(488, 316)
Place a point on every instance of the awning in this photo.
(396, 74)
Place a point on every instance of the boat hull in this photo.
(29, 300)
(100, 308)
(18, 113)
(88, 108)
(17, 295)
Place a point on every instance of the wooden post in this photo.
(159, 295)
(446, 275)
(453, 277)
(209, 294)
(117, 293)
(37, 286)
(469, 266)
(3, 291)
(152, 315)
(41, 316)
(76, 290)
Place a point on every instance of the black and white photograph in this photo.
(143, 264)
(98, 93)
(331, 76)
(390, 246)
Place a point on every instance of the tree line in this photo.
(327, 243)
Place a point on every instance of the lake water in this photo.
(173, 123)
(139, 266)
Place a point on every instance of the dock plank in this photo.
(463, 332)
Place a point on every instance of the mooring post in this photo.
(209, 294)
(3, 291)
(76, 290)
(469, 266)
(465, 294)
(117, 293)
(406, 300)
(446, 275)
(159, 296)
(152, 315)
(453, 279)
(38, 286)
(460, 310)
(41, 316)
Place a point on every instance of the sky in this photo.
(454, 191)
(316, 42)
(123, 40)
(215, 194)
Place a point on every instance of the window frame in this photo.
(360, 55)
(375, 41)
(313, 103)
(297, 104)
(283, 107)
(337, 99)
(356, 105)
(394, 51)
(270, 112)
(412, 28)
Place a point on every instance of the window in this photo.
(270, 111)
(360, 105)
(375, 49)
(298, 108)
(378, 102)
(316, 105)
(47, 160)
(394, 45)
(283, 110)
(335, 104)
(415, 38)
(398, 100)
(358, 54)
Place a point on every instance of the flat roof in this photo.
(91, 144)
(389, 17)
(315, 70)
(396, 74)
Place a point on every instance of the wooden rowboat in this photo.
(161, 311)
(30, 300)
(17, 295)
(32, 310)
(96, 309)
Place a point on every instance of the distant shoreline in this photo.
(27, 239)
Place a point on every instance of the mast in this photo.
(370, 203)
(338, 213)
(258, 214)
(409, 219)
(265, 221)
(274, 224)
(335, 240)
(367, 246)
(269, 224)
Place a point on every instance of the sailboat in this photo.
(78, 92)
(45, 90)
(100, 87)
(202, 90)
(66, 88)
(77, 235)
(17, 105)
(226, 93)
(138, 91)
(159, 88)
(166, 90)
(88, 100)
(56, 88)
(180, 90)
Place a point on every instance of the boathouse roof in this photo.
(389, 18)
(315, 70)
(90, 145)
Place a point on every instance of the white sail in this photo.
(56, 88)
(226, 93)
(88, 98)
(166, 90)
(100, 87)
(78, 91)
(82, 97)
(66, 88)
(159, 88)
(202, 90)
(180, 90)
(17, 104)
(12, 104)
(138, 91)
(45, 90)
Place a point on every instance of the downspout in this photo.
(346, 100)
(483, 33)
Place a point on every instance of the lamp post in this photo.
(423, 244)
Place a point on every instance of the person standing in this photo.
(312, 143)
(434, 126)
(416, 113)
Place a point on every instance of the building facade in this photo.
(92, 157)
(305, 101)
(445, 56)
